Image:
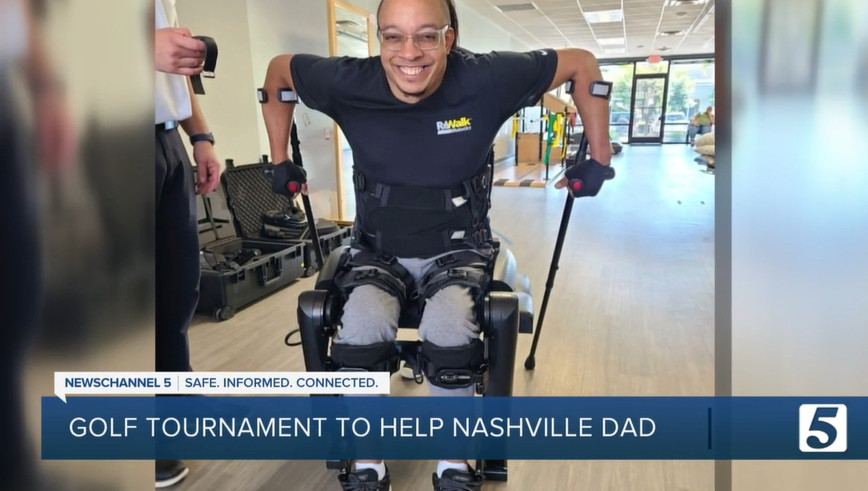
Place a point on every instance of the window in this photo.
(621, 77)
(691, 90)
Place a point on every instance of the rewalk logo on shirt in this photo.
(454, 125)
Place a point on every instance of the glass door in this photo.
(648, 101)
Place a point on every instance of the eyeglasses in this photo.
(425, 40)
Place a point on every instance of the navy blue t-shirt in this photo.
(443, 139)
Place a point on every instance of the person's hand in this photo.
(56, 131)
(289, 179)
(177, 51)
(207, 167)
(585, 178)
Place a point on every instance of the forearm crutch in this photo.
(574, 186)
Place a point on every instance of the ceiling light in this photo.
(516, 7)
(599, 16)
(679, 3)
(670, 33)
(610, 41)
(615, 51)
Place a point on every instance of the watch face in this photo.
(601, 89)
(287, 95)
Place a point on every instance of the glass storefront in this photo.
(621, 77)
(691, 91)
(642, 90)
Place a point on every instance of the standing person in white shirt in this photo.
(177, 56)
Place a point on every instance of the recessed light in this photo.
(610, 41)
(517, 7)
(615, 51)
(678, 3)
(599, 16)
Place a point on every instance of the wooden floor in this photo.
(526, 174)
(631, 313)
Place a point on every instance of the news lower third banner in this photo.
(558, 428)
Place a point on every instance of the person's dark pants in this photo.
(177, 253)
(23, 289)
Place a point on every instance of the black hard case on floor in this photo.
(224, 291)
(249, 196)
(226, 286)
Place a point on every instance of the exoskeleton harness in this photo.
(420, 222)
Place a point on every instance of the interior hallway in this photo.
(631, 314)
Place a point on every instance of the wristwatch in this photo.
(202, 137)
(601, 89)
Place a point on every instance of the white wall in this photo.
(101, 86)
(485, 36)
(229, 103)
(281, 26)
(249, 34)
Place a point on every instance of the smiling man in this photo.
(416, 73)
(421, 118)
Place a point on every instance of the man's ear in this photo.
(450, 39)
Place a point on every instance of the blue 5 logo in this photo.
(823, 428)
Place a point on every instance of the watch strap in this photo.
(202, 137)
(209, 67)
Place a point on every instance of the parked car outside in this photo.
(673, 119)
(676, 118)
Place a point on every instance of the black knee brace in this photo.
(385, 273)
(454, 368)
(461, 268)
(378, 357)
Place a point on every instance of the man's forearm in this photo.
(594, 111)
(278, 115)
(196, 123)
